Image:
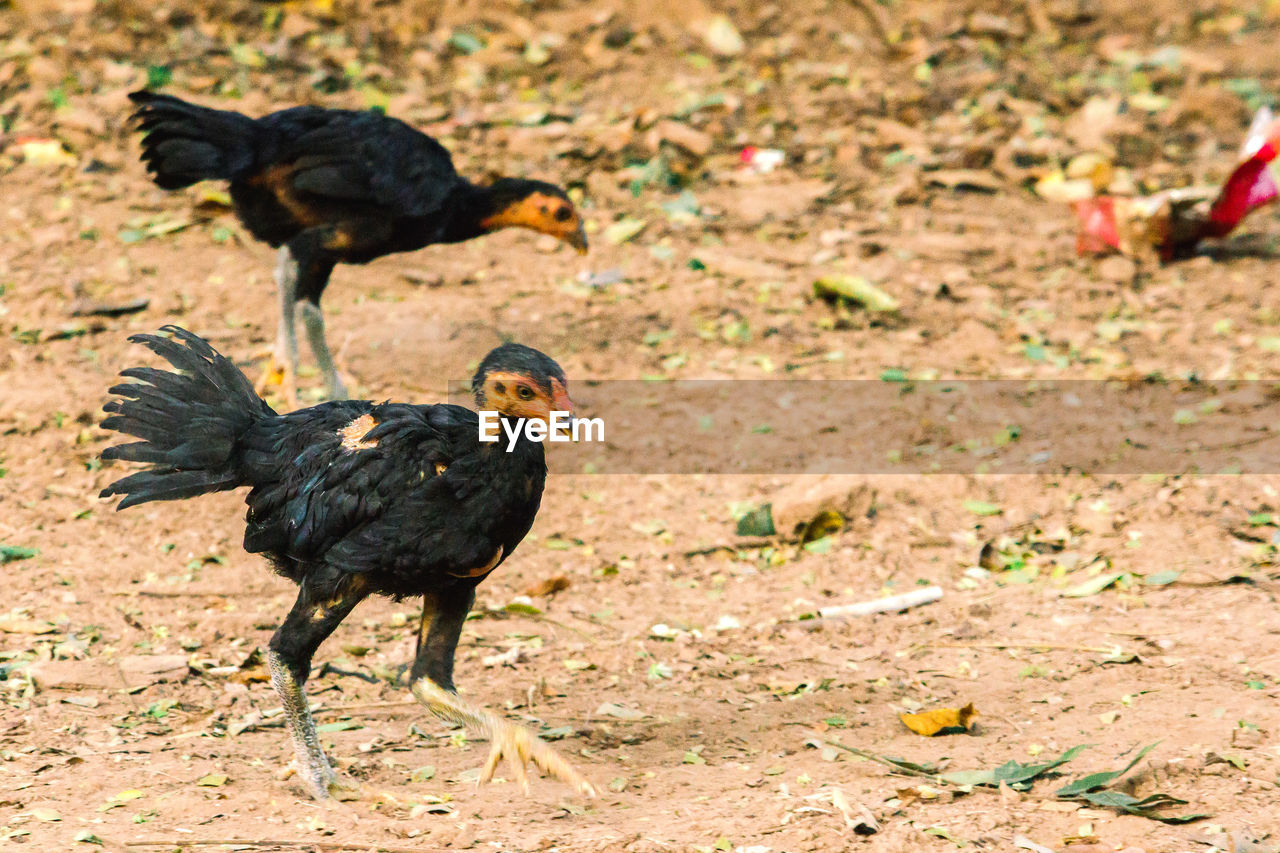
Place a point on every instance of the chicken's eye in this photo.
(563, 214)
(524, 392)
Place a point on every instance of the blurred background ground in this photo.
(912, 133)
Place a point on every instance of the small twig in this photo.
(746, 544)
(871, 756)
(1011, 722)
(502, 613)
(892, 603)
(365, 706)
(327, 668)
(898, 768)
(877, 21)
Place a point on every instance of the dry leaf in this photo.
(964, 179)
(1055, 186)
(27, 626)
(612, 709)
(920, 792)
(857, 817)
(252, 669)
(1023, 843)
(940, 720)
(549, 586)
(722, 36)
(624, 229)
(855, 288)
(807, 509)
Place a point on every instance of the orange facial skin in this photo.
(518, 396)
(545, 214)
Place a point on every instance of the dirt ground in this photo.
(913, 132)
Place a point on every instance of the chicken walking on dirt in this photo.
(329, 186)
(349, 499)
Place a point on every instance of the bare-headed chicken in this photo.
(329, 186)
(349, 499)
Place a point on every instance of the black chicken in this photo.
(335, 186)
(348, 499)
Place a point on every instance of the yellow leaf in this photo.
(939, 720)
(117, 800)
(624, 229)
(213, 780)
(1057, 187)
(46, 152)
(855, 288)
(1092, 167)
(919, 792)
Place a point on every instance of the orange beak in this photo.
(578, 240)
(560, 401)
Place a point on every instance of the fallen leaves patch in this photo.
(1091, 788)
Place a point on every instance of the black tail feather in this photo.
(190, 421)
(184, 143)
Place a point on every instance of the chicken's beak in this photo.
(578, 240)
(560, 401)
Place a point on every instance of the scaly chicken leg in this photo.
(313, 322)
(282, 369)
(311, 620)
(432, 685)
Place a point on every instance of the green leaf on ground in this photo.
(982, 508)
(1099, 780)
(340, 726)
(1013, 773)
(1090, 789)
(13, 553)
(757, 522)
(1146, 807)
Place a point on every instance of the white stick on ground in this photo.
(915, 598)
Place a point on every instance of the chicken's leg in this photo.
(432, 680)
(313, 321)
(311, 620)
(283, 368)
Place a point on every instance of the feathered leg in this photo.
(432, 680)
(311, 620)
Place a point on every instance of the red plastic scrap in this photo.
(1171, 223)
